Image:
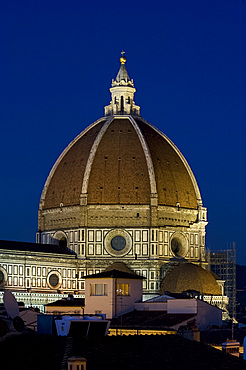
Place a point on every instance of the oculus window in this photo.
(118, 242)
(179, 245)
(54, 280)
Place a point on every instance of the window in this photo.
(137, 233)
(91, 236)
(54, 280)
(98, 249)
(99, 289)
(153, 249)
(123, 289)
(166, 236)
(75, 236)
(165, 249)
(118, 243)
(152, 275)
(144, 273)
(82, 274)
(137, 248)
(82, 249)
(145, 250)
(81, 285)
(98, 236)
(145, 236)
(196, 239)
(91, 249)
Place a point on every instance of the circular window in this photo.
(3, 276)
(179, 245)
(60, 239)
(54, 280)
(118, 242)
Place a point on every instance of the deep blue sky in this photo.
(188, 62)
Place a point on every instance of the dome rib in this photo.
(148, 157)
(92, 154)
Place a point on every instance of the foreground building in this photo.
(120, 191)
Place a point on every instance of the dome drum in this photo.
(161, 243)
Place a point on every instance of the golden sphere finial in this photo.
(122, 58)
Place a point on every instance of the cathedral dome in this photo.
(123, 192)
(121, 172)
(121, 160)
(188, 276)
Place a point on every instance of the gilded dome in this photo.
(188, 276)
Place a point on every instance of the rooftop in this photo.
(34, 247)
(114, 274)
(150, 320)
(74, 302)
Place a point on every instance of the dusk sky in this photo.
(188, 62)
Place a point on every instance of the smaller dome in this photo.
(188, 276)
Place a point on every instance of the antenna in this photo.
(10, 304)
(12, 308)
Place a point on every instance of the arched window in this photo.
(122, 104)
